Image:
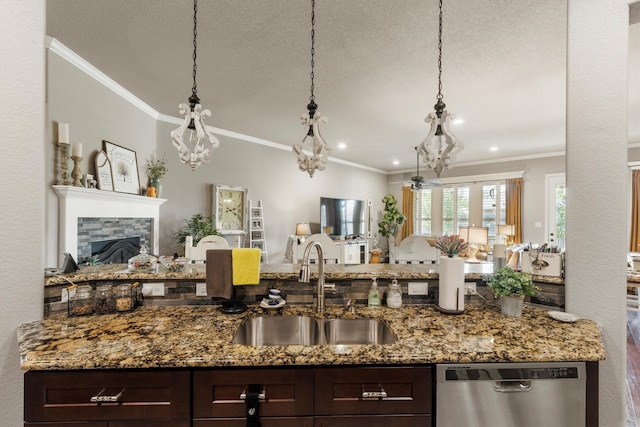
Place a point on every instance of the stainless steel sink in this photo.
(278, 330)
(357, 331)
(300, 330)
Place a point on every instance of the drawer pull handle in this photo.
(261, 396)
(374, 394)
(99, 398)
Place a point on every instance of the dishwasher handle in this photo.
(512, 386)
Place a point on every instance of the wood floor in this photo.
(633, 368)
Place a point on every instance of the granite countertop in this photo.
(286, 272)
(201, 336)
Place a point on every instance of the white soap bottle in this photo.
(374, 294)
(394, 296)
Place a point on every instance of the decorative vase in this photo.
(157, 184)
(451, 285)
(392, 249)
(512, 305)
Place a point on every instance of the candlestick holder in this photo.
(64, 163)
(77, 173)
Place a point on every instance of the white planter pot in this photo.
(512, 305)
(451, 284)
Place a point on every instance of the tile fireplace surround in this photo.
(79, 202)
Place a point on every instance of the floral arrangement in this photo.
(156, 168)
(392, 218)
(507, 281)
(451, 245)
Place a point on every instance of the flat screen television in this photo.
(342, 217)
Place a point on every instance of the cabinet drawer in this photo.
(288, 392)
(373, 391)
(86, 395)
(375, 421)
(264, 422)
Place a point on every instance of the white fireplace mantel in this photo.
(80, 202)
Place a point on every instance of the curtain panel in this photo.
(514, 206)
(634, 238)
(407, 209)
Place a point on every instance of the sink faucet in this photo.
(304, 273)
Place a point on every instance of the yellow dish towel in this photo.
(246, 266)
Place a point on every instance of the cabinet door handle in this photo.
(375, 394)
(261, 396)
(98, 398)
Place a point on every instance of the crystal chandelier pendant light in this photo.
(197, 150)
(440, 148)
(311, 123)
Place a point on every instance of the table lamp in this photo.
(474, 236)
(508, 231)
(302, 231)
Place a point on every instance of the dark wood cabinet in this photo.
(373, 396)
(218, 396)
(292, 397)
(107, 398)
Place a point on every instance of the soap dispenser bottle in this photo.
(394, 296)
(374, 294)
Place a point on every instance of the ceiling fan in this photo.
(418, 181)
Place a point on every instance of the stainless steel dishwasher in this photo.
(511, 394)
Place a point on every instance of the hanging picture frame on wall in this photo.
(124, 168)
(103, 172)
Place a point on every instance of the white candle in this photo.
(63, 133)
(77, 150)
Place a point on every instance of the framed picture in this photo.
(256, 223)
(124, 168)
(258, 245)
(229, 209)
(255, 213)
(103, 172)
(256, 235)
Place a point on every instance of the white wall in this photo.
(271, 175)
(22, 119)
(94, 113)
(597, 206)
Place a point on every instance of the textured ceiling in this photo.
(375, 74)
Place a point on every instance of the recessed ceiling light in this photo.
(342, 145)
(457, 121)
(493, 149)
(396, 162)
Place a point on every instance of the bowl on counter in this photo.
(173, 265)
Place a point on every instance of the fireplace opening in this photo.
(115, 251)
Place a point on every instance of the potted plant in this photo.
(156, 170)
(392, 218)
(197, 226)
(511, 286)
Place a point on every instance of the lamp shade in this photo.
(479, 235)
(303, 229)
(506, 229)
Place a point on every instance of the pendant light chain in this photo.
(194, 91)
(439, 96)
(192, 139)
(313, 43)
(311, 121)
(440, 147)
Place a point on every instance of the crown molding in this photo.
(73, 58)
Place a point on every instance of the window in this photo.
(422, 212)
(493, 207)
(443, 210)
(455, 208)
